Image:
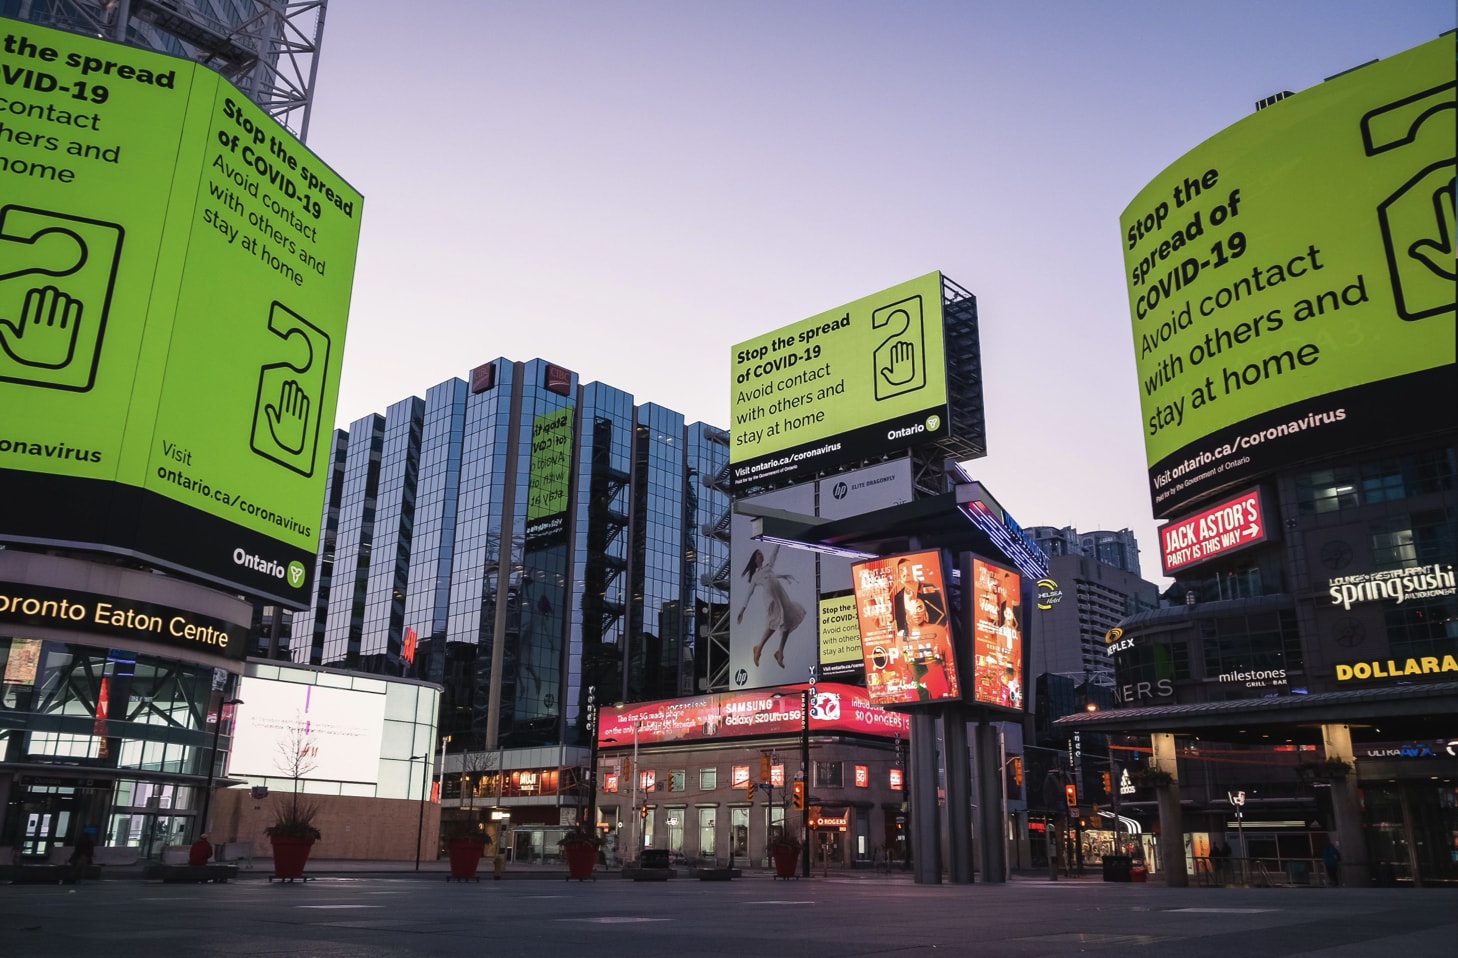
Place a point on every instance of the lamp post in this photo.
(420, 829)
(213, 760)
(638, 842)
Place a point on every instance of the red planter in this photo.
(580, 860)
(465, 858)
(290, 854)
(786, 859)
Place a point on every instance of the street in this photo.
(390, 916)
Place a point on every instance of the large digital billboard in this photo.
(320, 733)
(1291, 280)
(175, 275)
(907, 642)
(856, 381)
(997, 635)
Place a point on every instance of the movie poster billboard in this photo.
(997, 636)
(906, 629)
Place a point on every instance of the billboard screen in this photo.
(1291, 280)
(1229, 525)
(336, 732)
(997, 635)
(175, 274)
(835, 707)
(840, 639)
(860, 380)
(906, 629)
(772, 632)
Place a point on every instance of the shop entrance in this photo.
(45, 813)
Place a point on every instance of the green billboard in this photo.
(1291, 280)
(856, 381)
(175, 274)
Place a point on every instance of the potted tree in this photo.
(785, 850)
(465, 843)
(293, 832)
(579, 848)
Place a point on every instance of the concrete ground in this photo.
(388, 910)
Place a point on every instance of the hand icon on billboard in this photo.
(288, 421)
(46, 334)
(57, 273)
(901, 364)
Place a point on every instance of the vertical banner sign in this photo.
(1291, 280)
(175, 274)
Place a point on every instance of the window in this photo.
(739, 776)
(1420, 539)
(709, 779)
(829, 775)
(1422, 627)
(863, 776)
(676, 780)
(777, 776)
(706, 831)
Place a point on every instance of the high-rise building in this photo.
(1118, 549)
(1095, 590)
(267, 50)
(519, 537)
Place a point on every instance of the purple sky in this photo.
(630, 188)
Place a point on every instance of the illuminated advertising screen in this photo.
(549, 474)
(175, 275)
(997, 636)
(1291, 280)
(860, 380)
(840, 639)
(1225, 527)
(834, 708)
(906, 629)
(338, 732)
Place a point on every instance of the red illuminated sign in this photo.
(834, 707)
(1230, 525)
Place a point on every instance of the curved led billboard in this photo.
(175, 275)
(1291, 280)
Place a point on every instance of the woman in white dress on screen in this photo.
(782, 613)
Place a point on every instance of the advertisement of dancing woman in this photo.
(772, 593)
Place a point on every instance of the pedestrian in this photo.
(81, 855)
(1331, 856)
(200, 852)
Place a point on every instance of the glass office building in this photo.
(519, 537)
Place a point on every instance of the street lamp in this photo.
(213, 760)
(420, 829)
(592, 719)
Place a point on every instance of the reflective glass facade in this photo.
(537, 535)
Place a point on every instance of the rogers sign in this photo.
(834, 707)
(1233, 524)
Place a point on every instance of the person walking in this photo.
(1331, 857)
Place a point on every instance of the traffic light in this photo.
(799, 795)
(764, 768)
(643, 811)
(749, 789)
(1017, 771)
(1070, 795)
(1108, 784)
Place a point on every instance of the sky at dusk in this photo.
(628, 189)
